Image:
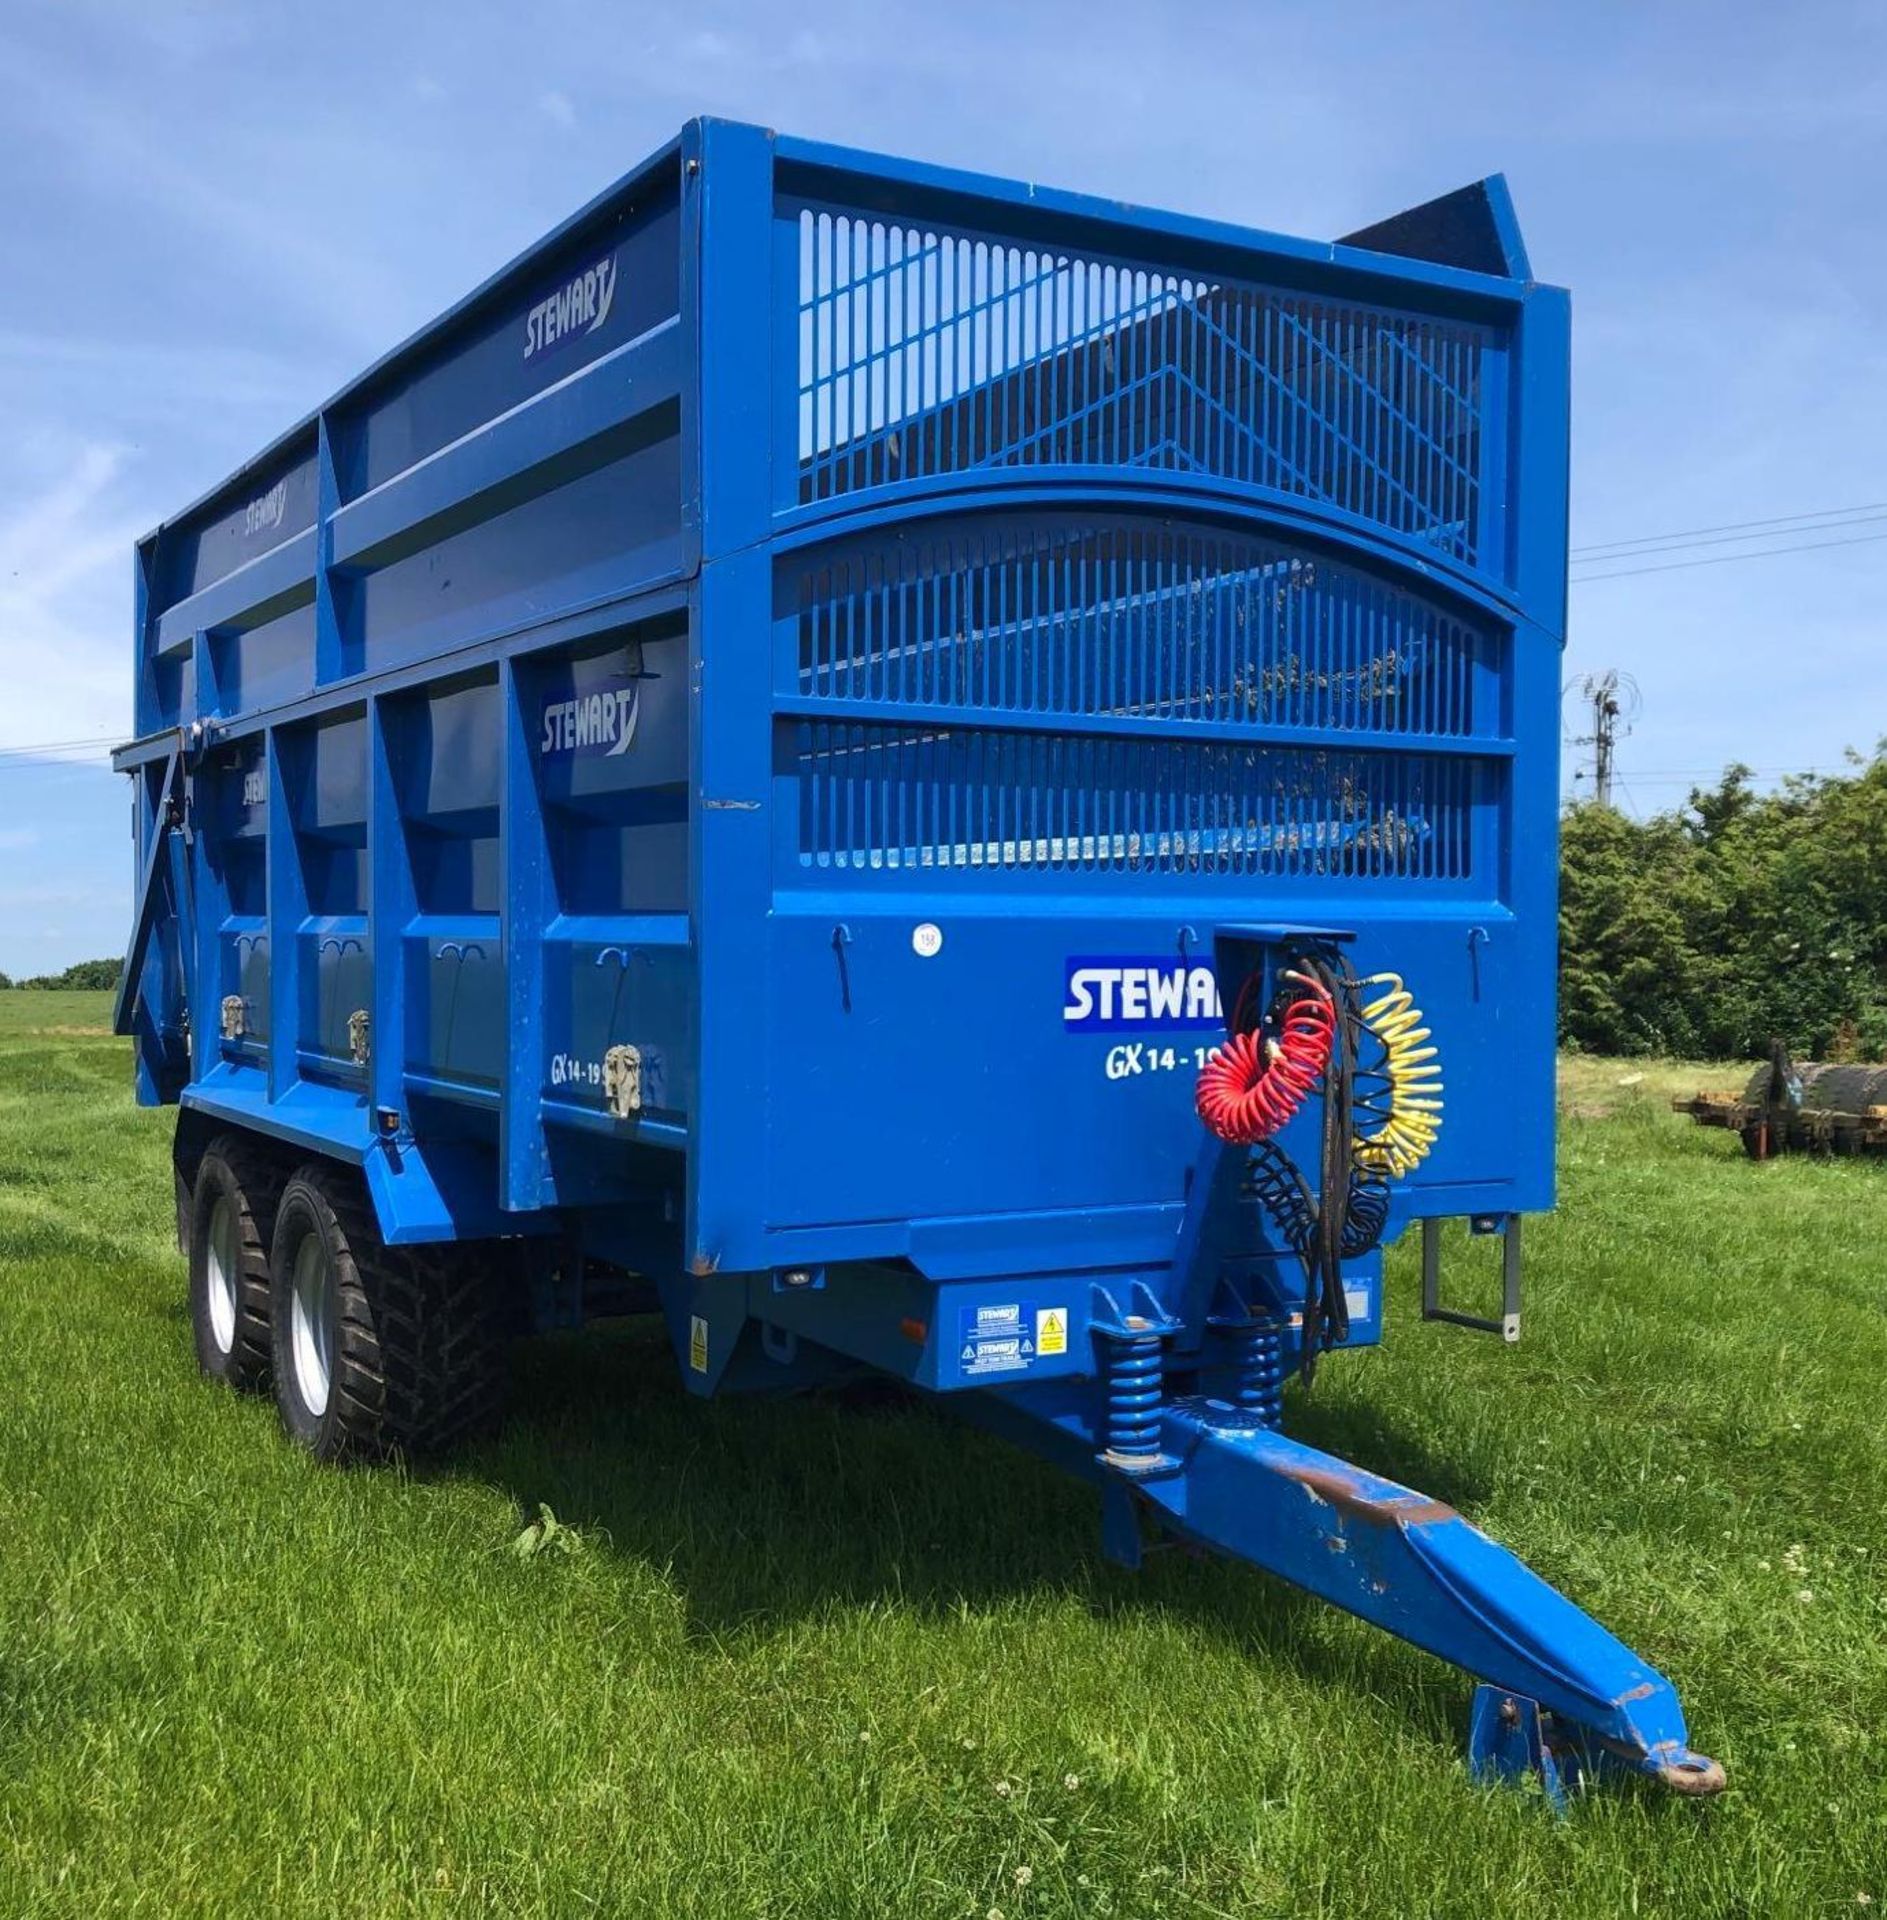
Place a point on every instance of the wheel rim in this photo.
(311, 1324)
(221, 1275)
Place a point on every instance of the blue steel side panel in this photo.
(363, 638)
(260, 512)
(266, 664)
(599, 289)
(518, 461)
(599, 534)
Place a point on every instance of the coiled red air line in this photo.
(1251, 1086)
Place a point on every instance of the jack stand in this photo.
(1122, 1541)
(1507, 1226)
(1511, 1736)
(1507, 1742)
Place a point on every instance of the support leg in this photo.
(1507, 1741)
(1508, 1325)
(1510, 1281)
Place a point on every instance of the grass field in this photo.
(812, 1660)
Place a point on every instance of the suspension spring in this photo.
(1134, 1392)
(1258, 1357)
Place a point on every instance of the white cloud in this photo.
(557, 106)
(65, 565)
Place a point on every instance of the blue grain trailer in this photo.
(879, 761)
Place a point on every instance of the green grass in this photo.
(816, 1660)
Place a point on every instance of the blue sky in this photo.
(214, 214)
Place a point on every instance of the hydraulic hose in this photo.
(1407, 1112)
(1252, 1085)
(1379, 1118)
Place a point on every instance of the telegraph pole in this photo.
(1612, 700)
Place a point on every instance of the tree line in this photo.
(84, 976)
(1734, 919)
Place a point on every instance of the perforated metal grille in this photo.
(926, 351)
(880, 797)
(1102, 616)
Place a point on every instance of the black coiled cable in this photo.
(1346, 1216)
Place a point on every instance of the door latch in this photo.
(622, 1081)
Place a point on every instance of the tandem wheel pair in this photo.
(371, 1350)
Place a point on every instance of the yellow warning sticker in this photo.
(1051, 1330)
(697, 1343)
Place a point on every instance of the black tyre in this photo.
(378, 1350)
(230, 1220)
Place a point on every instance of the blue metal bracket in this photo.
(1512, 1737)
(1507, 1743)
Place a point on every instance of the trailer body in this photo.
(753, 751)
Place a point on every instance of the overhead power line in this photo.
(1711, 773)
(1785, 520)
(1725, 559)
(34, 748)
(1731, 540)
(15, 767)
(57, 756)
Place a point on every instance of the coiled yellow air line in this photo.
(1413, 1072)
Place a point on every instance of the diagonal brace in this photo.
(157, 869)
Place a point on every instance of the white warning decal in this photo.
(994, 1340)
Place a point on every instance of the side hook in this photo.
(841, 939)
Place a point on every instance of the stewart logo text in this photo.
(264, 513)
(578, 307)
(1136, 993)
(604, 722)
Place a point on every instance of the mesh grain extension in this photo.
(926, 351)
(1107, 616)
(942, 799)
